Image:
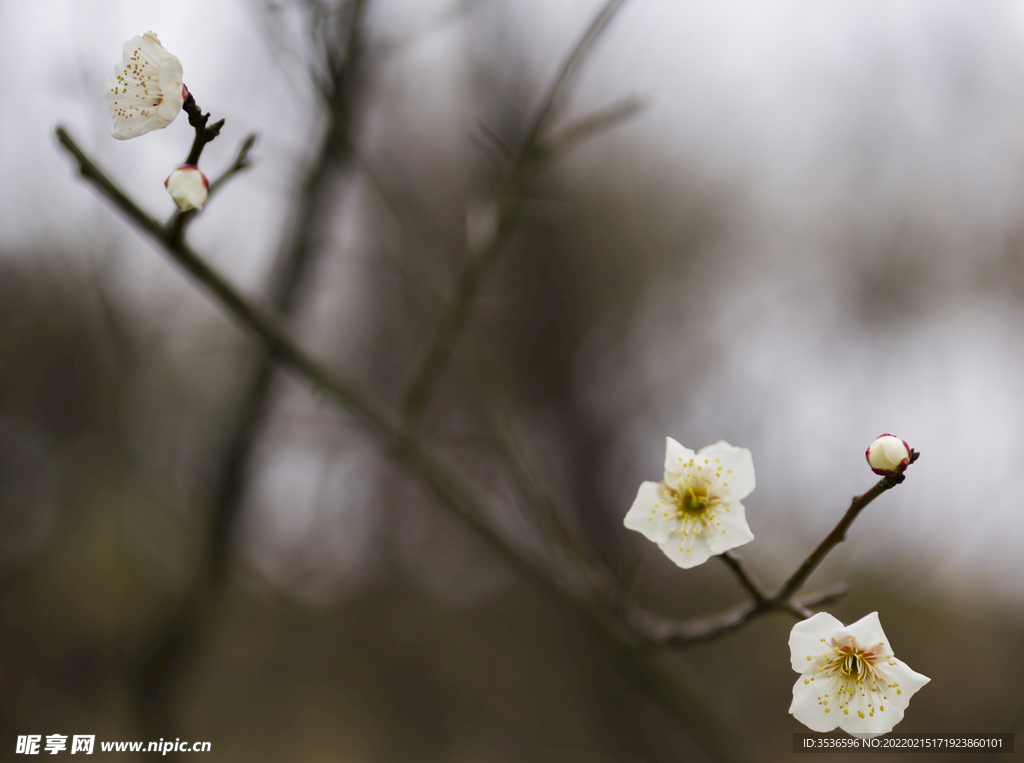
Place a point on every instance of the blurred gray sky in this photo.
(837, 127)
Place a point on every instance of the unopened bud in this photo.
(188, 187)
(888, 455)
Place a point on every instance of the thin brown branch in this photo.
(646, 628)
(654, 630)
(744, 575)
(665, 632)
(205, 132)
(838, 534)
(241, 162)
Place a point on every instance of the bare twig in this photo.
(180, 219)
(241, 162)
(656, 631)
(581, 129)
(507, 205)
(744, 576)
(553, 103)
(205, 132)
(838, 534)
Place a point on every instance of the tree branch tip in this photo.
(65, 139)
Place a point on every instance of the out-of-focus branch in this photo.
(285, 351)
(492, 141)
(310, 214)
(241, 162)
(556, 97)
(528, 486)
(506, 208)
(580, 129)
(170, 650)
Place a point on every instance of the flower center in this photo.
(691, 502)
(851, 666)
(854, 678)
(695, 508)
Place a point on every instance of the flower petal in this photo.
(808, 709)
(650, 515)
(741, 479)
(171, 87)
(908, 682)
(868, 633)
(890, 710)
(731, 528)
(676, 459)
(125, 128)
(145, 92)
(867, 724)
(688, 554)
(805, 639)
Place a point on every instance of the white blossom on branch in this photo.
(145, 92)
(695, 512)
(849, 677)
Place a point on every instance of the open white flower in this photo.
(145, 91)
(695, 512)
(188, 187)
(848, 676)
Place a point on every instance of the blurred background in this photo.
(811, 233)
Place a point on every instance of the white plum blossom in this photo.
(695, 512)
(145, 92)
(188, 187)
(888, 455)
(848, 676)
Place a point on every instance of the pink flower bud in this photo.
(888, 455)
(188, 187)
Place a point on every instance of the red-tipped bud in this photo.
(188, 187)
(888, 455)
